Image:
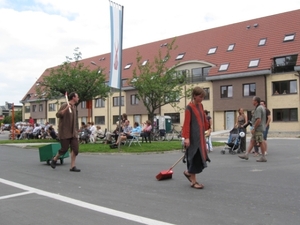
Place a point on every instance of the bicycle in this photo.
(158, 135)
(173, 134)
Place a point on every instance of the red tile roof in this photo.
(245, 35)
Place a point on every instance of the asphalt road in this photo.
(122, 189)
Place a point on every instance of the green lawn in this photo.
(155, 146)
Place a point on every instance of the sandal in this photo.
(187, 176)
(196, 185)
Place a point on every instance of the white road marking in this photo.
(97, 208)
(16, 195)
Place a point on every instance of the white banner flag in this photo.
(116, 24)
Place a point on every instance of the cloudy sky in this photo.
(38, 34)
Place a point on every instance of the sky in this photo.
(39, 34)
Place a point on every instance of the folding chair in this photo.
(134, 139)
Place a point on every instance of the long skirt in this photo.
(195, 165)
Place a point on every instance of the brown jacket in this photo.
(67, 126)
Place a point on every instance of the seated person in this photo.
(84, 136)
(146, 131)
(99, 133)
(129, 132)
(52, 133)
(114, 134)
(17, 133)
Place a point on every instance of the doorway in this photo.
(229, 120)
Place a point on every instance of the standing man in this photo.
(257, 131)
(67, 131)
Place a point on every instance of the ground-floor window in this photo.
(52, 121)
(285, 114)
(175, 117)
(99, 119)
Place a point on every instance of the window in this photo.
(137, 118)
(124, 82)
(99, 103)
(207, 93)
(285, 87)
(180, 56)
(175, 117)
(230, 47)
(134, 100)
(226, 91)
(145, 62)
(284, 64)
(99, 119)
(289, 37)
(116, 118)
(116, 101)
(52, 107)
(83, 105)
(253, 63)
(212, 50)
(27, 109)
(34, 108)
(52, 121)
(40, 107)
(262, 41)
(127, 66)
(285, 114)
(249, 89)
(199, 74)
(224, 67)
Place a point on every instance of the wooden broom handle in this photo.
(176, 162)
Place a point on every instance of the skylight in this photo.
(145, 62)
(180, 56)
(230, 47)
(212, 50)
(262, 41)
(289, 37)
(127, 66)
(253, 63)
(224, 67)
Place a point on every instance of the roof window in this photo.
(253, 63)
(224, 67)
(145, 62)
(289, 37)
(180, 56)
(230, 47)
(212, 50)
(127, 66)
(262, 41)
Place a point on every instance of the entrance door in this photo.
(229, 120)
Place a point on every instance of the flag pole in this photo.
(120, 92)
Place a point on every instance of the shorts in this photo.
(66, 143)
(257, 136)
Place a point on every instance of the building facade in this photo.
(232, 63)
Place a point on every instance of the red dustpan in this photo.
(167, 174)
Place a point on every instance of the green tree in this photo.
(74, 77)
(17, 117)
(156, 84)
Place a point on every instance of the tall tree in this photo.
(74, 76)
(156, 84)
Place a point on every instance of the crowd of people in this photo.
(27, 130)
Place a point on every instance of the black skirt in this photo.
(195, 165)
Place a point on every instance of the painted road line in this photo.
(97, 208)
(16, 195)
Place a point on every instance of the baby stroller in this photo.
(234, 141)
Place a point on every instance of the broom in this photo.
(167, 174)
(66, 94)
